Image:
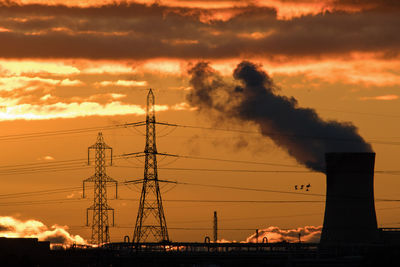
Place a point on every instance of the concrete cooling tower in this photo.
(350, 210)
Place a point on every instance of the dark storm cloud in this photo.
(300, 131)
(139, 31)
(383, 5)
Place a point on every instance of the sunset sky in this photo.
(69, 65)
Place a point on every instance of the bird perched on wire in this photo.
(307, 187)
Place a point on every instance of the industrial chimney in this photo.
(349, 210)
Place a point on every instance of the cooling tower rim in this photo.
(349, 162)
(350, 153)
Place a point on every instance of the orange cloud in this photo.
(309, 234)
(221, 9)
(244, 29)
(183, 106)
(46, 97)
(56, 234)
(33, 83)
(13, 111)
(2, 29)
(23, 67)
(68, 82)
(123, 83)
(163, 65)
(46, 158)
(70, 110)
(358, 68)
(29, 83)
(287, 10)
(381, 97)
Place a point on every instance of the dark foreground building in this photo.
(23, 251)
(225, 254)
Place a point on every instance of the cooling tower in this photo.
(349, 210)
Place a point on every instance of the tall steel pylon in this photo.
(100, 208)
(150, 222)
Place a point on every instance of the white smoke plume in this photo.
(308, 234)
(56, 234)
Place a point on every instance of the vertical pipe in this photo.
(215, 227)
(256, 235)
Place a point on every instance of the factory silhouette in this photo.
(350, 235)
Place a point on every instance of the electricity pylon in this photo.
(150, 221)
(100, 208)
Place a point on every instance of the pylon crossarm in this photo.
(166, 154)
(116, 189)
(168, 181)
(138, 181)
(90, 179)
(139, 154)
(166, 123)
(139, 123)
(113, 215)
(87, 215)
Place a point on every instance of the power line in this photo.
(39, 193)
(47, 192)
(64, 165)
(44, 192)
(244, 188)
(271, 191)
(76, 164)
(251, 189)
(230, 160)
(224, 170)
(63, 200)
(40, 202)
(70, 131)
(232, 201)
(251, 218)
(394, 172)
(278, 134)
(69, 189)
(234, 219)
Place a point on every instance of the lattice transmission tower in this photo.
(100, 208)
(150, 222)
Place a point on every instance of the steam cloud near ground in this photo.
(56, 234)
(308, 234)
(253, 98)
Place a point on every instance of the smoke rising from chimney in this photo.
(254, 99)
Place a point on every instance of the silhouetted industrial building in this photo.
(23, 251)
(350, 210)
